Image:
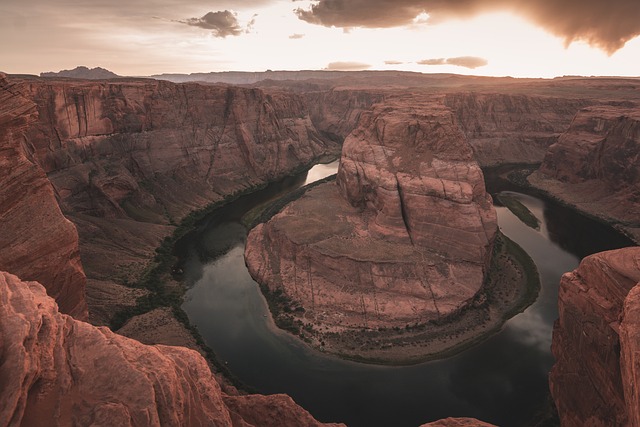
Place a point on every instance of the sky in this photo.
(519, 38)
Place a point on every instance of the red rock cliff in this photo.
(404, 237)
(37, 241)
(510, 128)
(596, 342)
(595, 165)
(57, 371)
(129, 159)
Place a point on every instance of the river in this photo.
(502, 380)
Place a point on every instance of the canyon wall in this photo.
(336, 112)
(594, 381)
(128, 160)
(58, 371)
(404, 236)
(511, 128)
(595, 165)
(37, 241)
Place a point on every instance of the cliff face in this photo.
(596, 343)
(505, 128)
(129, 159)
(404, 237)
(336, 112)
(37, 241)
(595, 165)
(57, 371)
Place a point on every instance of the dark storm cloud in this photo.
(347, 66)
(461, 61)
(222, 23)
(604, 24)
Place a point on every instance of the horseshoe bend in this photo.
(402, 240)
(397, 260)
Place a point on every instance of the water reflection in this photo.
(503, 380)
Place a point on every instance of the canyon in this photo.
(594, 166)
(403, 237)
(96, 175)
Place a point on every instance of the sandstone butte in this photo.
(404, 236)
(594, 166)
(596, 342)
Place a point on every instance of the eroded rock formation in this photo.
(57, 371)
(404, 237)
(595, 165)
(596, 342)
(37, 241)
(129, 159)
(507, 128)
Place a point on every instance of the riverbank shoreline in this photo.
(157, 316)
(512, 284)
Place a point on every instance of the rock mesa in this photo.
(404, 236)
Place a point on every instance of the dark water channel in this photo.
(502, 380)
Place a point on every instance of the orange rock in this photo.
(37, 241)
(57, 371)
(596, 344)
(405, 236)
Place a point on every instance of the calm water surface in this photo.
(502, 380)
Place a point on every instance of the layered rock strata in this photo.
(594, 166)
(596, 342)
(57, 371)
(128, 160)
(510, 128)
(404, 237)
(37, 241)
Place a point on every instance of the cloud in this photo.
(607, 25)
(392, 62)
(222, 23)
(461, 61)
(347, 66)
(296, 36)
(433, 61)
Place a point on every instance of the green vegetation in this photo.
(519, 210)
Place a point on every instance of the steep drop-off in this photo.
(37, 242)
(128, 160)
(595, 165)
(58, 371)
(596, 342)
(404, 237)
(509, 128)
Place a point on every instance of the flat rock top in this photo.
(324, 220)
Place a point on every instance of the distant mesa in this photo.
(83, 72)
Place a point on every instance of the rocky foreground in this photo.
(57, 371)
(596, 342)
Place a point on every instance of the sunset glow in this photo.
(166, 36)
